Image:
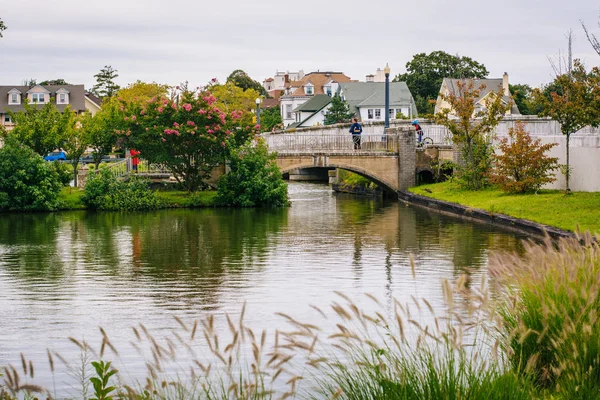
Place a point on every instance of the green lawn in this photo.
(550, 207)
(70, 199)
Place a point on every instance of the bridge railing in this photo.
(294, 143)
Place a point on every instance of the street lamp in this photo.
(386, 71)
(258, 110)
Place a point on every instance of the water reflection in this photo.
(64, 274)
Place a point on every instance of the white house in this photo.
(301, 91)
(281, 80)
(367, 100)
(312, 112)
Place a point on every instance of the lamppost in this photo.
(258, 110)
(386, 71)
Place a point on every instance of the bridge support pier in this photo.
(407, 157)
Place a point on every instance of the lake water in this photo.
(65, 274)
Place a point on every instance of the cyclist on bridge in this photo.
(419, 130)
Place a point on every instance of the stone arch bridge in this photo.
(391, 159)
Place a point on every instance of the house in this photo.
(379, 76)
(312, 112)
(300, 91)
(281, 80)
(492, 86)
(12, 98)
(367, 100)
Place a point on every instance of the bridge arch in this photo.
(382, 181)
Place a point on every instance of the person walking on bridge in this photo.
(356, 130)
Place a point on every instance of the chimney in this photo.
(505, 84)
(286, 78)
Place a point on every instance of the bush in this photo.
(551, 318)
(27, 182)
(523, 165)
(254, 179)
(103, 191)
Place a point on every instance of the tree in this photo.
(43, 129)
(522, 164)
(254, 179)
(522, 95)
(590, 37)
(142, 91)
(27, 182)
(230, 97)
(2, 27)
(105, 85)
(338, 112)
(574, 104)
(54, 82)
(190, 137)
(425, 72)
(77, 140)
(242, 80)
(106, 126)
(471, 131)
(270, 118)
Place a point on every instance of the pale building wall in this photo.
(91, 107)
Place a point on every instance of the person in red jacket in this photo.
(134, 159)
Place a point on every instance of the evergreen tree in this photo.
(338, 112)
(105, 85)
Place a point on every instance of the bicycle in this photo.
(421, 141)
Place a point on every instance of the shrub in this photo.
(551, 317)
(103, 191)
(27, 182)
(254, 179)
(523, 165)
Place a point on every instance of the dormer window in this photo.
(39, 98)
(309, 89)
(14, 96)
(62, 96)
(327, 90)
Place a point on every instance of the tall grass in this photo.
(551, 314)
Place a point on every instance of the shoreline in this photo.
(480, 215)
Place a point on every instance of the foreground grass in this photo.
(70, 199)
(551, 207)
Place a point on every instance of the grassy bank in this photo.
(70, 199)
(550, 207)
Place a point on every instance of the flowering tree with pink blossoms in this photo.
(188, 134)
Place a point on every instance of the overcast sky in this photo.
(195, 40)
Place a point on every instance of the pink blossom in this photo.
(160, 109)
(122, 108)
(210, 131)
(223, 144)
(202, 112)
(164, 140)
(177, 87)
(175, 124)
(126, 118)
(147, 129)
(257, 126)
(187, 107)
(228, 132)
(143, 112)
(209, 117)
(191, 123)
(133, 117)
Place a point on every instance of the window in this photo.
(370, 113)
(7, 119)
(328, 90)
(308, 89)
(391, 113)
(377, 113)
(37, 97)
(288, 111)
(14, 98)
(62, 98)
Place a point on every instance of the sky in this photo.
(195, 40)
